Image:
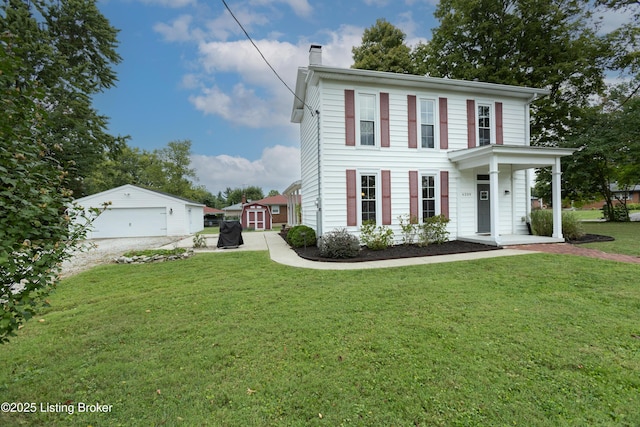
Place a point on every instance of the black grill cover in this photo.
(230, 234)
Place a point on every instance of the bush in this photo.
(409, 226)
(301, 235)
(434, 230)
(339, 244)
(542, 224)
(619, 214)
(199, 241)
(376, 238)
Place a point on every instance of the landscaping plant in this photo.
(433, 230)
(339, 244)
(376, 237)
(301, 235)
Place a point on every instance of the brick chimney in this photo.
(315, 54)
(244, 199)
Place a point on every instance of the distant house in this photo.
(212, 216)
(139, 212)
(376, 146)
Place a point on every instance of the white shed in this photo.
(138, 212)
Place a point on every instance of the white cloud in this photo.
(171, 3)
(241, 106)
(177, 31)
(300, 7)
(277, 168)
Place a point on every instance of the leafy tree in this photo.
(68, 49)
(233, 196)
(383, 49)
(536, 43)
(273, 193)
(37, 227)
(167, 169)
(608, 153)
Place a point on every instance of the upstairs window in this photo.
(367, 120)
(427, 120)
(484, 125)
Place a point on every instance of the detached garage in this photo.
(138, 212)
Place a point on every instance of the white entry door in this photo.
(256, 219)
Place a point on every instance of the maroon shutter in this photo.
(352, 200)
(386, 197)
(444, 124)
(413, 195)
(384, 120)
(350, 117)
(413, 123)
(471, 123)
(444, 193)
(499, 131)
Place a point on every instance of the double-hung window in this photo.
(484, 125)
(428, 190)
(367, 120)
(427, 123)
(368, 197)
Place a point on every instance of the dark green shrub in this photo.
(339, 244)
(433, 230)
(376, 238)
(301, 235)
(618, 214)
(542, 224)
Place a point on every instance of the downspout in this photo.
(319, 198)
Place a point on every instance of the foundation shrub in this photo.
(301, 235)
(376, 238)
(433, 230)
(339, 244)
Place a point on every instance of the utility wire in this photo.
(265, 59)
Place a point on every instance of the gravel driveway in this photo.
(106, 250)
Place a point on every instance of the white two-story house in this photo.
(378, 146)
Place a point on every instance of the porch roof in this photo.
(519, 156)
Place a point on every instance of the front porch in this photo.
(509, 239)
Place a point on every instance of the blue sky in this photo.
(188, 72)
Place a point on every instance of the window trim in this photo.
(359, 95)
(436, 194)
(378, 198)
(492, 122)
(436, 122)
(275, 209)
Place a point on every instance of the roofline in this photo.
(167, 195)
(313, 73)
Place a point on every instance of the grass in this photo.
(626, 234)
(592, 214)
(210, 230)
(234, 339)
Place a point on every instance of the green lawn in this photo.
(626, 234)
(591, 214)
(234, 339)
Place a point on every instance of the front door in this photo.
(484, 209)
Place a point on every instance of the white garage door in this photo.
(130, 222)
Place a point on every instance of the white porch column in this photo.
(557, 198)
(495, 202)
(528, 193)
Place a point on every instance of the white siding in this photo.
(335, 157)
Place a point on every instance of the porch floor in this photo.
(509, 239)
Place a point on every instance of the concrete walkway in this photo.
(281, 253)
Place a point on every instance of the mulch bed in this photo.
(399, 251)
(312, 253)
(591, 238)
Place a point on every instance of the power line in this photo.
(265, 59)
